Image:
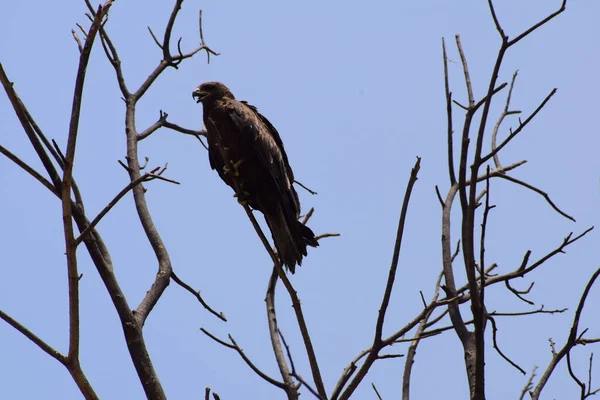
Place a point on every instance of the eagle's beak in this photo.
(199, 95)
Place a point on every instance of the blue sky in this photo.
(356, 91)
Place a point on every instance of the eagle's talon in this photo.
(242, 197)
(237, 163)
(234, 166)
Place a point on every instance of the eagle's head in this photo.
(209, 92)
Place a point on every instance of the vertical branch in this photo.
(472, 358)
(395, 257)
(469, 204)
(412, 349)
(473, 344)
(167, 39)
(503, 115)
(297, 306)
(450, 287)
(73, 364)
(67, 182)
(291, 389)
(378, 343)
(449, 115)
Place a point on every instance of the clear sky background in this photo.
(356, 91)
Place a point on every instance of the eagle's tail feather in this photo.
(308, 237)
(290, 241)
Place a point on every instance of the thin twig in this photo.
(519, 294)
(412, 349)
(308, 215)
(29, 170)
(463, 59)
(571, 340)
(540, 310)
(539, 24)
(497, 348)
(540, 192)
(294, 373)
(77, 40)
(503, 115)
(450, 131)
(523, 269)
(162, 122)
(305, 188)
(196, 294)
(326, 235)
(351, 368)
(144, 178)
(34, 338)
(522, 125)
(233, 345)
(376, 391)
(528, 385)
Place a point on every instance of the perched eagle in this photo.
(247, 152)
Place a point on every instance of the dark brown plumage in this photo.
(247, 152)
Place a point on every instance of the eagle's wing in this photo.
(265, 141)
(214, 156)
(275, 136)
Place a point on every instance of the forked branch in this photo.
(571, 340)
(378, 342)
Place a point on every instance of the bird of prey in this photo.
(248, 154)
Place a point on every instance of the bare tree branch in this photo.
(29, 170)
(148, 176)
(539, 24)
(168, 59)
(518, 130)
(308, 215)
(131, 99)
(295, 304)
(34, 338)
(274, 334)
(571, 340)
(468, 84)
(196, 294)
(376, 391)
(162, 122)
(539, 191)
(233, 345)
(93, 241)
(67, 180)
(390, 340)
(77, 40)
(449, 117)
(520, 293)
(412, 349)
(503, 115)
(523, 270)
(326, 235)
(295, 373)
(497, 348)
(305, 188)
(528, 385)
(378, 342)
